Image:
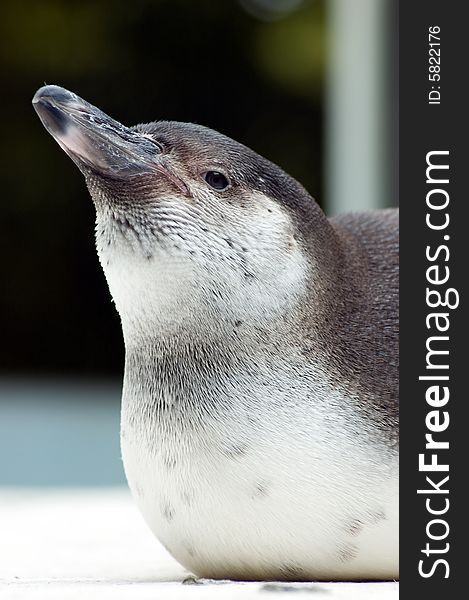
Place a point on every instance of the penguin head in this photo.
(188, 221)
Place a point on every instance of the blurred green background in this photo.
(282, 76)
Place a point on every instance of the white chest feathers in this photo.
(286, 491)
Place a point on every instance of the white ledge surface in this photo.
(92, 543)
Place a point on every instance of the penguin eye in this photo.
(216, 180)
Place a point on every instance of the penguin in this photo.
(259, 427)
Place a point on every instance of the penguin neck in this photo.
(188, 342)
(172, 377)
(196, 354)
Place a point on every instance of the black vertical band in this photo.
(433, 132)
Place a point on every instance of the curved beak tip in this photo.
(90, 136)
(52, 92)
(46, 102)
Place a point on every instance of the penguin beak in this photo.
(93, 139)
